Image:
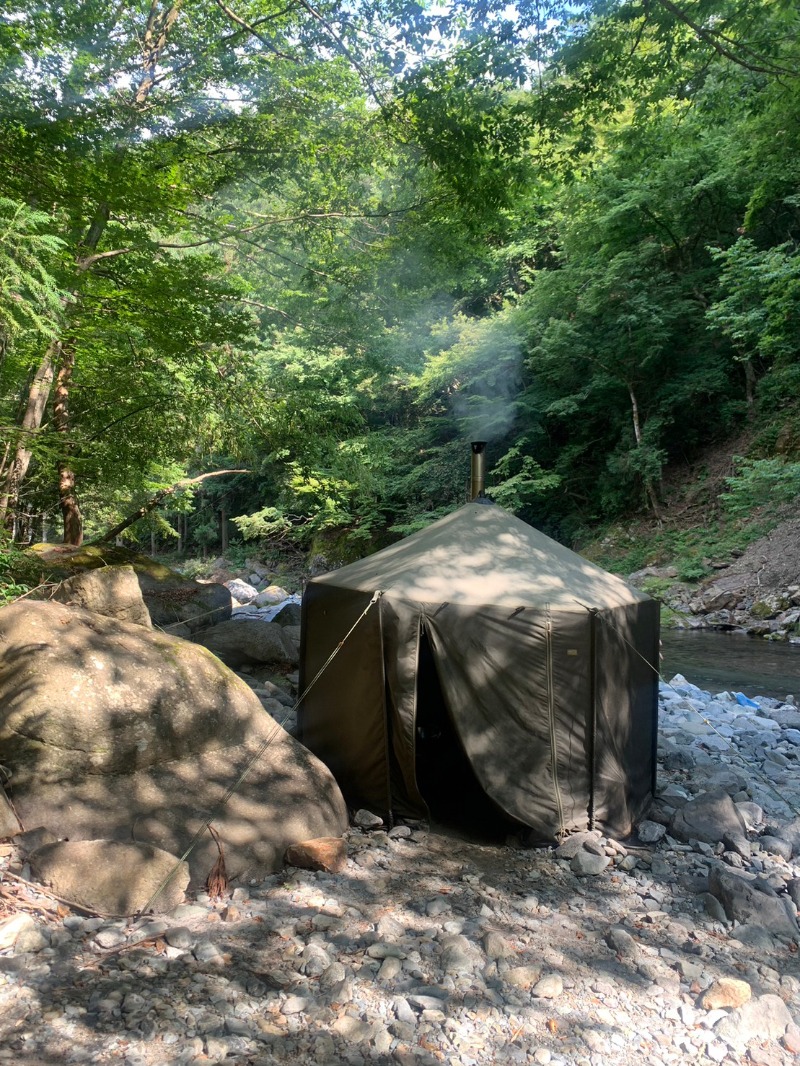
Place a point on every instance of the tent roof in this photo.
(481, 554)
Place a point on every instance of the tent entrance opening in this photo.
(445, 778)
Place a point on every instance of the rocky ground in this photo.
(431, 947)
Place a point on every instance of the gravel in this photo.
(435, 948)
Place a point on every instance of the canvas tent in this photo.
(541, 666)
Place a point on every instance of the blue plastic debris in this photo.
(745, 701)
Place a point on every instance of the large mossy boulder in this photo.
(109, 590)
(172, 599)
(116, 731)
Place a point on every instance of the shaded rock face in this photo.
(749, 902)
(9, 823)
(115, 731)
(171, 598)
(290, 615)
(109, 590)
(708, 818)
(110, 877)
(249, 640)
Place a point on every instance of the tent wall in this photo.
(401, 624)
(343, 718)
(517, 686)
(626, 706)
(556, 711)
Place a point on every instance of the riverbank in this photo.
(433, 947)
(755, 591)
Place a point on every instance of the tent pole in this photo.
(592, 713)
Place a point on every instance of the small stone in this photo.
(587, 864)
(725, 992)
(111, 937)
(776, 846)
(621, 942)
(436, 906)
(322, 853)
(716, 1050)
(206, 951)
(367, 820)
(391, 968)
(400, 832)
(385, 951)
(650, 832)
(496, 946)
(550, 986)
(354, 1030)
(13, 927)
(294, 1005)
(29, 941)
(791, 1038)
(524, 977)
(179, 937)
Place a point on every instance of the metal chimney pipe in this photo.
(478, 470)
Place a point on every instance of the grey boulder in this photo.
(748, 902)
(249, 640)
(241, 591)
(289, 615)
(764, 1018)
(708, 818)
(108, 590)
(172, 600)
(111, 878)
(115, 731)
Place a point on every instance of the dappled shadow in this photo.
(112, 730)
(545, 663)
(551, 920)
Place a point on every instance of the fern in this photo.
(30, 298)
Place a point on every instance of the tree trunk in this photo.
(637, 432)
(38, 395)
(223, 528)
(750, 387)
(70, 511)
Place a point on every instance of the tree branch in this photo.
(342, 47)
(252, 30)
(719, 42)
(157, 499)
(89, 260)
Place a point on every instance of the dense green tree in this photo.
(332, 243)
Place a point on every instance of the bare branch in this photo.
(89, 260)
(157, 499)
(254, 32)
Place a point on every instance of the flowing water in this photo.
(716, 661)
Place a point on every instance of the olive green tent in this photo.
(493, 659)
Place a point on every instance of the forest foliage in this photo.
(332, 243)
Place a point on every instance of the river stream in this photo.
(715, 661)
